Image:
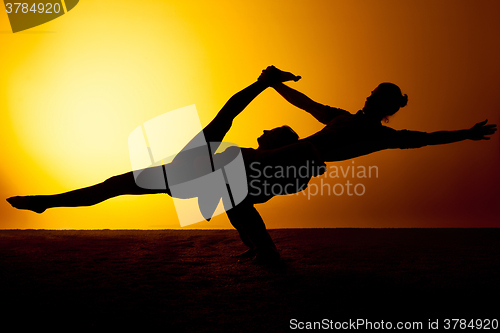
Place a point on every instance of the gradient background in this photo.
(73, 89)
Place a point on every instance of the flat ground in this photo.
(185, 280)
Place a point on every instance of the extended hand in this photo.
(481, 130)
(273, 75)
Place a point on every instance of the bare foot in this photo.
(274, 75)
(32, 203)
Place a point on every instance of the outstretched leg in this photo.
(118, 185)
(125, 184)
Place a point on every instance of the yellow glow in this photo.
(72, 90)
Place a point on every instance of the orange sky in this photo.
(73, 89)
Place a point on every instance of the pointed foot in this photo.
(27, 202)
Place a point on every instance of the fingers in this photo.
(489, 129)
(481, 124)
(262, 76)
(485, 134)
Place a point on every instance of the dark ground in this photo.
(184, 280)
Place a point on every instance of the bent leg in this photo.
(235, 216)
(247, 220)
(118, 185)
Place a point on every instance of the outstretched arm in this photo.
(413, 139)
(220, 125)
(404, 139)
(196, 158)
(480, 131)
(217, 129)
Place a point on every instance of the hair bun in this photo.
(404, 100)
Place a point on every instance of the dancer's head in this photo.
(277, 137)
(385, 101)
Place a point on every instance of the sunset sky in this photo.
(73, 89)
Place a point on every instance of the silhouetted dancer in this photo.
(347, 135)
(244, 217)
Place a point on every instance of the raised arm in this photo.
(322, 113)
(220, 125)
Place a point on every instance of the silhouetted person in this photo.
(347, 135)
(244, 217)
